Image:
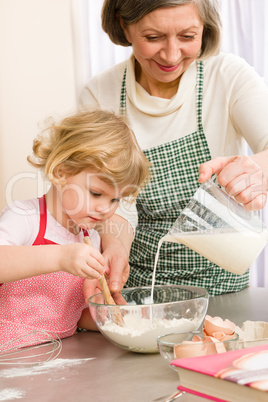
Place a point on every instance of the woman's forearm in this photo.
(261, 159)
(117, 236)
(116, 229)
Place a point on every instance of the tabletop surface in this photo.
(90, 368)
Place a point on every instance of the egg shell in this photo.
(217, 324)
(214, 344)
(193, 349)
(220, 336)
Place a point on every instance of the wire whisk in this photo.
(35, 347)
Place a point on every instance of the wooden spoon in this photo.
(117, 316)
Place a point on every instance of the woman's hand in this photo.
(116, 239)
(81, 260)
(244, 177)
(116, 258)
(90, 288)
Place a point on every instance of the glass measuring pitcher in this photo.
(216, 226)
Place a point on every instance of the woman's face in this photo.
(165, 42)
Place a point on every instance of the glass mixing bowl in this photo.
(142, 320)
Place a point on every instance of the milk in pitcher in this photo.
(233, 251)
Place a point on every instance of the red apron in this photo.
(51, 302)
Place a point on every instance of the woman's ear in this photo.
(124, 27)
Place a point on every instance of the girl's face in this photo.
(87, 200)
(165, 42)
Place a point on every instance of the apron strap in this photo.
(43, 221)
(199, 94)
(123, 95)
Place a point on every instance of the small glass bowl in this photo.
(171, 347)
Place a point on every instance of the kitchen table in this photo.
(90, 368)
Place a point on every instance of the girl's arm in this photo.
(86, 321)
(19, 262)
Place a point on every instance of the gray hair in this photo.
(131, 11)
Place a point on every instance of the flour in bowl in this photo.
(140, 334)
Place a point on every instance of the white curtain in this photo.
(102, 53)
(245, 33)
(93, 50)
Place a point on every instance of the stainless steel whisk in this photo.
(38, 347)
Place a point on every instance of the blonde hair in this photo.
(94, 140)
(131, 11)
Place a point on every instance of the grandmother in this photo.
(193, 110)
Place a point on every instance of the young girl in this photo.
(92, 161)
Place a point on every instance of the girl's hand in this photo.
(118, 271)
(81, 260)
(243, 177)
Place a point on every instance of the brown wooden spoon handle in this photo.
(117, 316)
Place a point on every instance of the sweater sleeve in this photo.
(87, 98)
(128, 211)
(248, 103)
(103, 90)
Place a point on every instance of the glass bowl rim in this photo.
(195, 332)
(205, 294)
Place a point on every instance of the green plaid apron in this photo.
(173, 182)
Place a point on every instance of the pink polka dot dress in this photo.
(51, 302)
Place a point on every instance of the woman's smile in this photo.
(167, 68)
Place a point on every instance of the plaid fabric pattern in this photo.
(173, 182)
